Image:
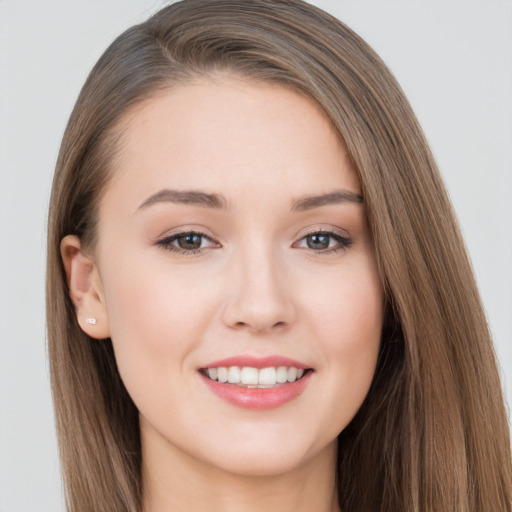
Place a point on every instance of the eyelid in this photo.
(184, 229)
(166, 241)
(316, 228)
(343, 238)
(329, 230)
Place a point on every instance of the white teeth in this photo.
(282, 375)
(234, 375)
(267, 377)
(249, 376)
(222, 374)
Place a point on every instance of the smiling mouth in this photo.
(250, 377)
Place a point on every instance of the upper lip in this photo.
(257, 362)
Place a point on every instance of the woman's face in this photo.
(232, 237)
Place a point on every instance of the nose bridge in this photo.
(259, 297)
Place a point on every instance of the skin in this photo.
(255, 287)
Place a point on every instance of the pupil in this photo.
(190, 241)
(318, 241)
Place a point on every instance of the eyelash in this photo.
(166, 243)
(343, 242)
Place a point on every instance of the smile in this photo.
(257, 383)
(251, 377)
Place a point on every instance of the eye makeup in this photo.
(192, 242)
(323, 241)
(187, 243)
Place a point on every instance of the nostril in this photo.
(243, 325)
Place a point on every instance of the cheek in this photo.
(349, 311)
(348, 319)
(156, 322)
(155, 316)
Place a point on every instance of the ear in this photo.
(85, 288)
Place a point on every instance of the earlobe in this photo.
(85, 288)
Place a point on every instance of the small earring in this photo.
(91, 321)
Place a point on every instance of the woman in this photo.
(257, 292)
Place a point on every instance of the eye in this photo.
(190, 242)
(324, 242)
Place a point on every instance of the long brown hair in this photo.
(432, 433)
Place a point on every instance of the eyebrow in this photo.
(336, 197)
(203, 199)
(190, 197)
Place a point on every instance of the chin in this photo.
(261, 458)
(261, 466)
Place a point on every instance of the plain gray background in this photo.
(454, 61)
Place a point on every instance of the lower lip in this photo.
(258, 398)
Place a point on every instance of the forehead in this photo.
(228, 135)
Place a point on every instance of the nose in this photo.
(260, 297)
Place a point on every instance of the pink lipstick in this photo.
(256, 382)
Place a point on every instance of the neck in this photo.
(180, 483)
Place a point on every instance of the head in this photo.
(413, 418)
